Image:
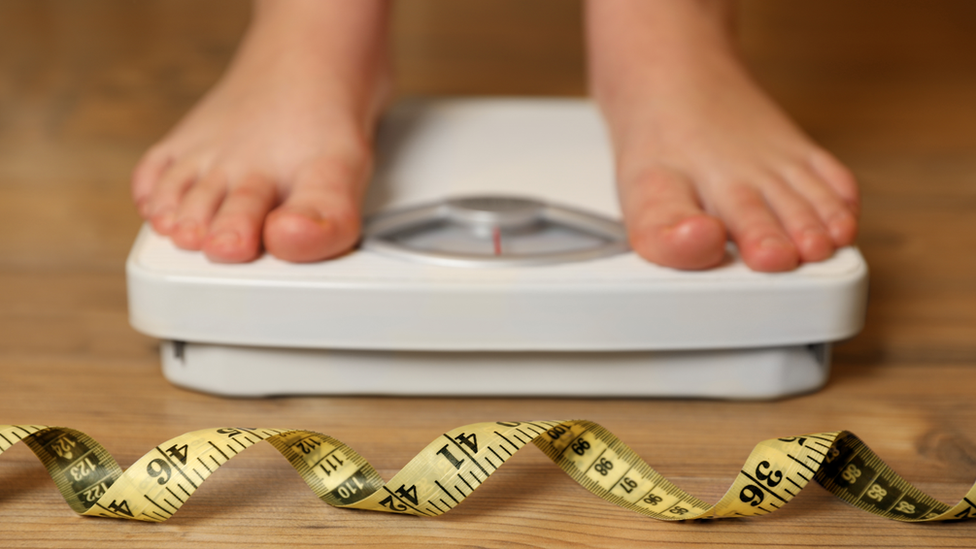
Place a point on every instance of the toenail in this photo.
(188, 228)
(164, 220)
(772, 242)
(839, 227)
(226, 239)
(811, 238)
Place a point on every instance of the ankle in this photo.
(636, 44)
(339, 45)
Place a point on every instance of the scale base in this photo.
(241, 371)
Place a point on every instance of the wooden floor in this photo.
(889, 86)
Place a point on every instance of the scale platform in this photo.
(493, 263)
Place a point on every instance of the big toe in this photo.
(303, 233)
(666, 223)
(235, 233)
(693, 243)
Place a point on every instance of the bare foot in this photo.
(702, 153)
(278, 153)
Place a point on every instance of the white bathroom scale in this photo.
(493, 262)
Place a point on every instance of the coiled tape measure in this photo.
(451, 467)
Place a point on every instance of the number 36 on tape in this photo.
(451, 467)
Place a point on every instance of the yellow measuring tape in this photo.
(451, 467)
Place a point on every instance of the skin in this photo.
(702, 154)
(276, 157)
(278, 153)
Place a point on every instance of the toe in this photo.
(667, 225)
(843, 227)
(838, 178)
(762, 241)
(146, 175)
(800, 221)
(835, 204)
(235, 232)
(197, 210)
(167, 194)
(320, 218)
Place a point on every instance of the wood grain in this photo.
(85, 87)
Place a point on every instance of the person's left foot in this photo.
(702, 153)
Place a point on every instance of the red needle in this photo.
(496, 237)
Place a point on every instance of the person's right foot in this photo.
(278, 154)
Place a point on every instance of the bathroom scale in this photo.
(493, 262)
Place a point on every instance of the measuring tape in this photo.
(451, 467)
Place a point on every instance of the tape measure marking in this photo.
(452, 467)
